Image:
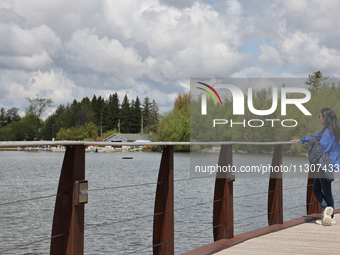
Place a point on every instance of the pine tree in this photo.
(104, 113)
(71, 111)
(146, 110)
(98, 110)
(153, 119)
(112, 112)
(132, 121)
(125, 116)
(69, 117)
(84, 113)
(116, 110)
(315, 80)
(136, 115)
(49, 130)
(3, 117)
(95, 108)
(94, 102)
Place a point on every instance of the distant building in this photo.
(123, 138)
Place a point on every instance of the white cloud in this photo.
(32, 62)
(178, 3)
(301, 48)
(31, 49)
(270, 56)
(62, 16)
(20, 84)
(252, 72)
(258, 72)
(103, 56)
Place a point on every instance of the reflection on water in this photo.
(33, 174)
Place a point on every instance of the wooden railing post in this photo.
(275, 200)
(163, 225)
(312, 204)
(223, 215)
(68, 221)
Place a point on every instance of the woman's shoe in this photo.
(320, 222)
(327, 216)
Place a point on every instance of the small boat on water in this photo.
(101, 152)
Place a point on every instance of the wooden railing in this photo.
(68, 222)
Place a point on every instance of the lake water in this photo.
(27, 175)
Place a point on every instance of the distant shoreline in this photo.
(63, 149)
(108, 150)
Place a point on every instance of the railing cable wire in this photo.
(248, 195)
(30, 199)
(303, 186)
(126, 186)
(296, 206)
(253, 217)
(202, 177)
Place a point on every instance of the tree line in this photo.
(79, 120)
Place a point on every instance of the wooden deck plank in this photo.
(307, 238)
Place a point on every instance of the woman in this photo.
(329, 142)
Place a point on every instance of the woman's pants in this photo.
(322, 190)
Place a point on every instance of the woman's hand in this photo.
(295, 141)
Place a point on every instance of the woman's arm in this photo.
(326, 140)
(295, 141)
(307, 138)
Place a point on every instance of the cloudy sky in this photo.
(66, 50)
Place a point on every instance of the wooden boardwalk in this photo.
(306, 238)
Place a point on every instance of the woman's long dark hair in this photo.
(331, 122)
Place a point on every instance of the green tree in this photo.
(182, 100)
(34, 112)
(104, 113)
(3, 134)
(23, 130)
(84, 113)
(13, 114)
(78, 134)
(98, 110)
(3, 117)
(37, 106)
(112, 115)
(49, 129)
(152, 121)
(316, 80)
(146, 107)
(135, 116)
(116, 110)
(125, 116)
(91, 130)
(175, 125)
